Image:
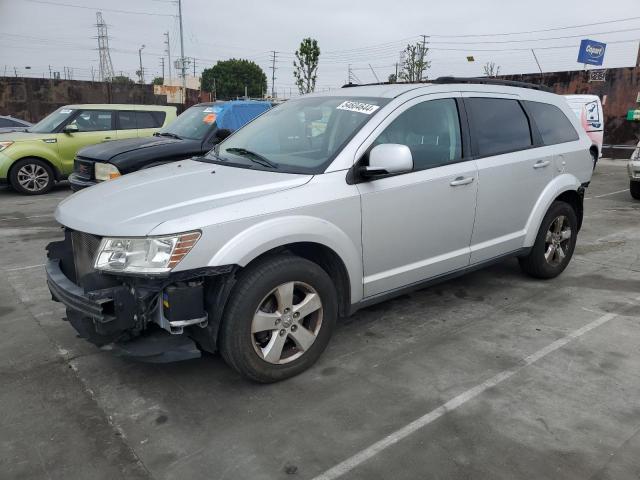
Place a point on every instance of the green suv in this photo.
(32, 161)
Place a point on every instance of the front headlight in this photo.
(144, 255)
(4, 145)
(106, 171)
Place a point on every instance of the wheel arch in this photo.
(309, 237)
(56, 172)
(564, 187)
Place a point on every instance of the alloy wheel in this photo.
(286, 323)
(557, 239)
(33, 177)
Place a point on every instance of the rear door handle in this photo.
(542, 164)
(461, 181)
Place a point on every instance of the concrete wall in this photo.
(34, 98)
(618, 92)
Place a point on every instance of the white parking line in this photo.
(607, 194)
(15, 269)
(393, 438)
(22, 218)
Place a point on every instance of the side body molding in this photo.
(262, 237)
(560, 184)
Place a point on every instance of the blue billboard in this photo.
(591, 52)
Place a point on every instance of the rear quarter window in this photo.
(499, 125)
(552, 123)
(149, 119)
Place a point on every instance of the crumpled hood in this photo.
(134, 204)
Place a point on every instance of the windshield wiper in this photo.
(253, 156)
(167, 134)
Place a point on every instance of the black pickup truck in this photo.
(196, 131)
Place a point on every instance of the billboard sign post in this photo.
(591, 52)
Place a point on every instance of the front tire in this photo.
(279, 318)
(634, 188)
(32, 176)
(555, 243)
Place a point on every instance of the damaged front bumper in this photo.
(148, 318)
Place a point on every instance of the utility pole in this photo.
(349, 74)
(194, 66)
(168, 50)
(49, 71)
(162, 65)
(273, 74)
(423, 55)
(182, 62)
(93, 77)
(536, 59)
(141, 70)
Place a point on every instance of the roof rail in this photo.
(491, 81)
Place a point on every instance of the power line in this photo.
(539, 31)
(70, 5)
(537, 39)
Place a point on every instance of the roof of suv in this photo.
(444, 84)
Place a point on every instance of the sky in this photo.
(366, 36)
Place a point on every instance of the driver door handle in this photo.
(541, 164)
(461, 181)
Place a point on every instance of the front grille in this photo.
(84, 167)
(85, 248)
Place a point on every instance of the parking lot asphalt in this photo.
(492, 375)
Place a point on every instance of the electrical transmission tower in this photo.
(273, 73)
(106, 67)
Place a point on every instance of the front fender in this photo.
(269, 234)
(21, 150)
(559, 185)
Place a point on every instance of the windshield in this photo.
(194, 123)
(299, 136)
(52, 121)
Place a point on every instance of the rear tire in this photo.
(555, 243)
(634, 188)
(31, 176)
(279, 318)
(594, 157)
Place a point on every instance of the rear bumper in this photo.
(78, 183)
(633, 167)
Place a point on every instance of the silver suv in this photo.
(321, 206)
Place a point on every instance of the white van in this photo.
(588, 109)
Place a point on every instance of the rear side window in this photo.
(127, 120)
(500, 125)
(552, 123)
(150, 119)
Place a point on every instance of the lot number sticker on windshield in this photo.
(66, 112)
(210, 118)
(359, 107)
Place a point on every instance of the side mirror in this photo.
(222, 133)
(71, 128)
(388, 159)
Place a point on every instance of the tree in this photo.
(393, 78)
(157, 81)
(491, 69)
(414, 63)
(306, 65)
(228, 79)
(122, 80)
